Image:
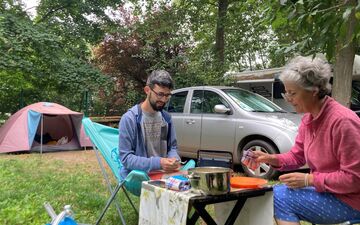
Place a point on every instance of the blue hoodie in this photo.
(132, 148)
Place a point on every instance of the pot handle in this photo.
(193, 176)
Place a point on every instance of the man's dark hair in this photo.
(161, 78)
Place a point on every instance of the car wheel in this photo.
(264, 171)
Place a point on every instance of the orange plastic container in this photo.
(247, 182)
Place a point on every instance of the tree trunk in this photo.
(220, 31)
(250, 61)
(344, 61)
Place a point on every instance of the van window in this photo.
(278, 88)
(355, 95)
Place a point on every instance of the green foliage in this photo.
(40, 64)
(52, 57)
(180, 38)
(311, 26)
(77, 22)
(158, 41)
(132, 97)
(249, 39)
(22, 49)
(28, 182)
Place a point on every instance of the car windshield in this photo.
(252, 102)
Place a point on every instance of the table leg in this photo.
(194, 217)
(201, 211)
(235, 211)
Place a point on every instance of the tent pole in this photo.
(41, 133)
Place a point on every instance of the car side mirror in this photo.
(221, 109)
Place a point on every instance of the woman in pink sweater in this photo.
(328, 141)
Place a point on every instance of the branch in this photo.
(53, 11)
(333, 7)
(30, 8)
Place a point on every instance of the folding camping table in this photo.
(159, 205)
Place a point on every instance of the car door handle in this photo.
(190, 121)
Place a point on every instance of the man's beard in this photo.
(156, 107)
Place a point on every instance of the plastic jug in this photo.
(64, 218)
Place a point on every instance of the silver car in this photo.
(231, 119)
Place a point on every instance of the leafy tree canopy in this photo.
(310, 27)
(38, 65)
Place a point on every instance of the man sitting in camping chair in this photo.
(147, 138)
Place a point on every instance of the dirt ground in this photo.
(79, 156)
(74, 156)
(86, 158)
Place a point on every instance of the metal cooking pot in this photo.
(210, 180)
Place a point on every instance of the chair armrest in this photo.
(133, 181)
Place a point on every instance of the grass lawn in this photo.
(60, 178)
(29, 180)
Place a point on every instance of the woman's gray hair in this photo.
(161, 78)
(309, 73)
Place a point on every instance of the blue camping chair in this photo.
(105, 140)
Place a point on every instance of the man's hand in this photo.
(295, 180)
(169, 164)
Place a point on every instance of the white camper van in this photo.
(266, 83)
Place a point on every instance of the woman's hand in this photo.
(296, 180)
(262, 157)
(252, 159)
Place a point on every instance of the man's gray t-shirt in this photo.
(155, 132)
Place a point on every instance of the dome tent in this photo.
(35, 126)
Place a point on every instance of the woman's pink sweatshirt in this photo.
(330, 145)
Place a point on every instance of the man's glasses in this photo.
(288, 96)
(161, 94)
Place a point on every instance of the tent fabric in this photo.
(33, 121)
(20, 131)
